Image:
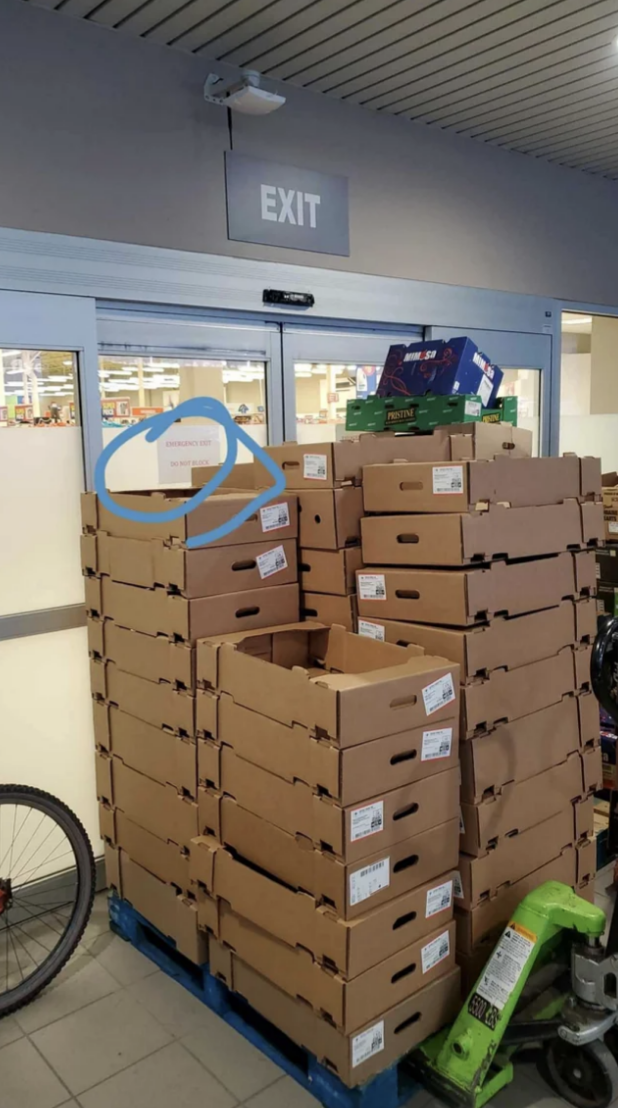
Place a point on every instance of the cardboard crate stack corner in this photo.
(326, 479)
(484, 555)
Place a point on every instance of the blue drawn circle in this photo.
(156, 426)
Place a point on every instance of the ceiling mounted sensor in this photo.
(243, 95)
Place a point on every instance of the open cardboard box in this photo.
(213, 512)
(509, 694)
(155, 751)
(337, 684)
(506, 642)
(352, 833)
(353, 1058)
(329, 571)
(157, 612)
(329, 610)
(500, 532)
(207, 571)
(459, 442)
(353, 889)
(350, 775)
(174, 915)
(326, 465)
(531, 744)
(515, 857)
(329, 519)
(458, 598)
(519, 805)
(518, 482)
(296, 918)
(349, 1005)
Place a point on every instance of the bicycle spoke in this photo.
(39, 824)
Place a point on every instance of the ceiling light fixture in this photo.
(244, 95)
(577, 319)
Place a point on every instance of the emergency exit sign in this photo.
(283, 205)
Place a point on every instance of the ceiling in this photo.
(536, 76)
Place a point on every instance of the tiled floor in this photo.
(115, 1032)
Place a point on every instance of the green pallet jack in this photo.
(550, 983)
(424, 413)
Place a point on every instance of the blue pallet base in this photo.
(392, 1088)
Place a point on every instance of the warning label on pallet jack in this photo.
(501, 974)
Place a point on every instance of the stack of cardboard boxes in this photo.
(149, 598)
(335, 858)
(326, 478)
(491, 563)
(607, 559)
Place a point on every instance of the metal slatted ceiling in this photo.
(536, 76)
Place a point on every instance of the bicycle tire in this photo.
(57, 810)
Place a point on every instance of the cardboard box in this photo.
(610, 505)
(462, 487)
(441, 367)
(458, 598)
(528, 745)
(484, 923)
(339, 685)
(509, 694)
(506, 642)
(353, 1058)
(329, 610)
(515, 857)
(607, 599)
(326, 465)
(607, 564)
(346, 1004)
(209, 763)
(329, 571)
(296, 918)
(213, 512)
(154, 657)
(165, 859)
(241, 477)
(518, 806)
(329, 519)
(350, 890)
(157, 752)
(157, 612)
(457, 540)
(349, 833)
(157, 702)
(161, 905)
(207, 571)
(447, 444)
(156, 807)
(350, 775)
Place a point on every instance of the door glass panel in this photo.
(589, 387)
(135, 387)
(322, 392)
(42, 467)
(525, 384)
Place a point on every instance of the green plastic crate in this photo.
(423, 413)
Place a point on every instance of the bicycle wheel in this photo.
(47, 885)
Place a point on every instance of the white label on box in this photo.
(366, 821)
(371, 630)
(272, 561)
(438, 694)
(435, 951)
(447, 480)
(439, 899)
(462, 828)
(457, 886)
(368, 1043)
(506, 965)
(275, 516)
(612, 526)
(437, 744)
(484, 390)
(315, 467)
(370, 880)
(371, 586)
(473, 408)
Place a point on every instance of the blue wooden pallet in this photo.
(390, 1089)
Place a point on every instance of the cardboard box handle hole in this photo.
(405, 863)
(318, 519)
(407, 756)
(403, 702)
(403, 973)
(242, 613)
(408, 1023)
(403, 920)
(290, 465)
(407, 538)
(407, 594)
(410, 486)
(409, 810)
(250, 563)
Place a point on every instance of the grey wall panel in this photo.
(137, 157)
